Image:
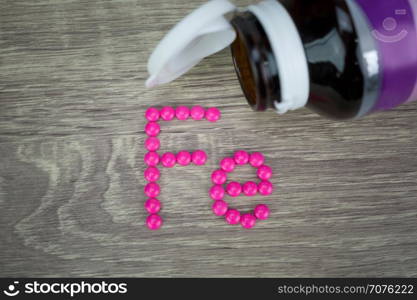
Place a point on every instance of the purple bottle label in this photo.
(394, 28)
(413, 4)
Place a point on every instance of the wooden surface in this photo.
(72, 99)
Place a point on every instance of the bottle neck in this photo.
(255, 63)
(269, 58)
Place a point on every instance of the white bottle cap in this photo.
(202, 33)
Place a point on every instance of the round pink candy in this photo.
(168, 160)
(213, 114)
(227, 164)
(247, 221)
(220, 208)
(234, 189)
(219, 177)
(152, 205)
(151, 158)
(197, 113)
(250, 188)
(183, 158)
(199, 157)
(241, 157)
(152, 143)
(154, 222)
(256, 159)
(182, 113)
(152, 129)
(232, 216)
(152, 114)
(265, 188)
(152, 190)
(217, 192)
(167, 113)
(264, 172)
(262, 212)
(152, 174)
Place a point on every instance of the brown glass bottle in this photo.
(341, 86)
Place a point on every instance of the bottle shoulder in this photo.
(332, 46)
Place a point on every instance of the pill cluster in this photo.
(219, 177)
(264, 187)
(168, 160)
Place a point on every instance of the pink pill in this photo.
(197, 113)
(265, 188)
(217, 192)
(152, 114)
(262, 212)
(234, 189)
(168, 160)
(264, 172)
(219, 177)
(167, 113)
(213, 114)
(152, 143)
(152, 190)
(152, 174)
(199, 157)
(227, 164)
(154, 222)
(232, 216)
(152, 129)
(152, 205)
(183, 158)
(241, 157)
(256, 159)
(182, 113)
(247, 221)
(220, 208)
(250, 188)
(151, 158)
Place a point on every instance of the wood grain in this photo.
(72, 99)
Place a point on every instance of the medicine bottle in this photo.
(341, 58)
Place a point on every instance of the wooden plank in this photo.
(72, 99)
